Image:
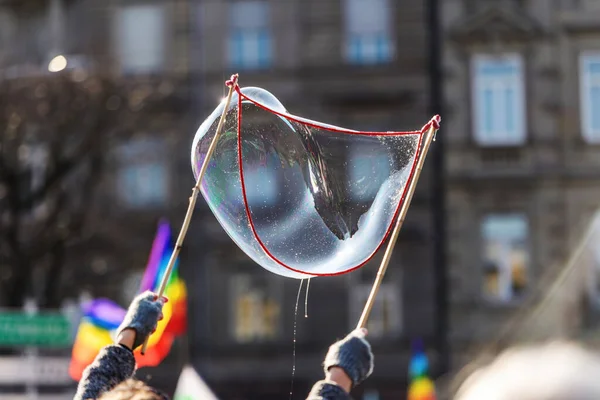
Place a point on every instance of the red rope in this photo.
(314, 124)
(232, 81)
(435, 121)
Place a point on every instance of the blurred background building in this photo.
(523, 127)
(357, 64)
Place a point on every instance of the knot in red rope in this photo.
(232, 81)
(435, 121)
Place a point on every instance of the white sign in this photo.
(38, 370)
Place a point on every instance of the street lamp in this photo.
(57, 64)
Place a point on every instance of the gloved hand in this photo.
(352, 354)
(142, 316)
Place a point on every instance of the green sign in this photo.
(40, 330)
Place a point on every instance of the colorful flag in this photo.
(421, 387)
(175, 290)
(102, 317)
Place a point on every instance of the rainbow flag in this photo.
(421, 387)
(176, 308)
(102, 317)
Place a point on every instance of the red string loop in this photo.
(232, 81)
(435, 121)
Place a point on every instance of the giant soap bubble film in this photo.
(100, 102)
(283, 190)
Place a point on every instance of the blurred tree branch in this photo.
(56, 132)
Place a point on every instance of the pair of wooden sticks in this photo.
(362, 323)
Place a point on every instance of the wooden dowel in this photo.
(195, 192)
(362, 323)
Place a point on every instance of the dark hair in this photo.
(132, 389)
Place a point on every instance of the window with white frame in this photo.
(256, 310)
(498, 98)
(142, 176)
(590, 96)
(250, 42)
(368, 170)
(261, 184)
(368, 31)
(140, 37)
(506, 256)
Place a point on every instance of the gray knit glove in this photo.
(352, 354)
(143, 315)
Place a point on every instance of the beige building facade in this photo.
(360, 64)
(522, 123)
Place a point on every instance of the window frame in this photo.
(272, 289)
(356, 157)
(495, 138)
(136, 200)
(141, 153)
(588, 133)
(385, 50)
(513, 299)
(237, 38)
(118, 33)
(267, 179)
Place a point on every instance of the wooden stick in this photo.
(195, 192)
(362, 323)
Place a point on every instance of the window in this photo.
(143, 185)
(505, 256)
(371, 395)
(368, 31)
(140, 37)
(250, 43)
(385, 319)
(256, 308)
(261, 186)
(142, 178)
(498, 100)
(368, 170)
(590, 96)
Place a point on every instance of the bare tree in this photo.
(55, 133)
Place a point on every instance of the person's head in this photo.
(133, 390)
(554, 371)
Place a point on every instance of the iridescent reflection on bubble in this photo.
(319, 200)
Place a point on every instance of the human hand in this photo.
(141, 319)
(353, 356)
